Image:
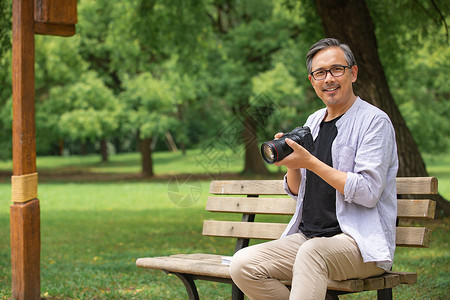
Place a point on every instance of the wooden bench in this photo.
(245, 200)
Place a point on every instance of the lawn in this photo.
(95, 225)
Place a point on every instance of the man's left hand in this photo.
(299, 158)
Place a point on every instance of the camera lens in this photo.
(268, 152)
(277, 149)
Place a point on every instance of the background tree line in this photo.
(138, 70)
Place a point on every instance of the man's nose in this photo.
(328, 77)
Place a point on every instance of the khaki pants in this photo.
(258, 270)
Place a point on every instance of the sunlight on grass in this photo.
(93, 233)
(196, 161)
(439, 166)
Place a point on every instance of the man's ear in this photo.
(354, 70)
(311, 80)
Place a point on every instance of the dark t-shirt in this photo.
(319, 204)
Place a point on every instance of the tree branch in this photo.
(295, 33)
(442, 18)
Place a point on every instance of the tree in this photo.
(58, 65)
(187, 90)
(416, 59)
(351, 22)
(5, 26)
(5, 79)
(248, 35)
(151, 109)
(137, 51)
(85, 110)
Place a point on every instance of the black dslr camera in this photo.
(276, 150)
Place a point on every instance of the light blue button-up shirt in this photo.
(366, 149)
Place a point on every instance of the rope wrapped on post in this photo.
(24, 187)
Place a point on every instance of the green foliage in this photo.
(59, 68)
(58, 62)
(247, 67)
(206, 61)
(94, 29)
(6, 130)
(150, 103)
(5, 106)
(413, 42)
(246, 46)
(415, 56)
(403, 26)
(5, 26)
(285, 100)
(5, 78)
(85, 110)
(422, 92)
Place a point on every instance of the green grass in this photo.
(439, 166)
(92, 231)
(195, 161)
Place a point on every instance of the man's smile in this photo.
(330, 88)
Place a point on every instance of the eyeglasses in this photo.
(334, 71)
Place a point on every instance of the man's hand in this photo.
(299, 158)
(278, 135)
(293, 173)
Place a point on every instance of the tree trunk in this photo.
(183, 148)
(83, 148)
(61, 147)
(170, 142)
(254, 163)
(104, 149)
(146, 157)
(350, 22)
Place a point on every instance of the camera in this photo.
(276, 150)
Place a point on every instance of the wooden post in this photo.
(25, 211)
(55, 17)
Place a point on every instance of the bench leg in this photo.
(189, 284)
(385, 294)
(236, 293)
(332, 295)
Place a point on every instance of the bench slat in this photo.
(352, 285)
(406, 236)
(413, 236)
(405, 277)
(411, 208)
(417, 185)
(374, 283)
(405, 186)
(210, 265)
(391, 280)
(424, 209)
(183, 265)
(273, 206)
(247, 187)
(246, 230)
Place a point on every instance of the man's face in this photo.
(333, 90)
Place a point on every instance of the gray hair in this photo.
(327, 43)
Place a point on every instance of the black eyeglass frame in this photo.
(329, 70)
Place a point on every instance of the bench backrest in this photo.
(242, 196)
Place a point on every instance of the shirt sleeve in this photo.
(373, 157)
(288, 191)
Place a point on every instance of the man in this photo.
(344, 224)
